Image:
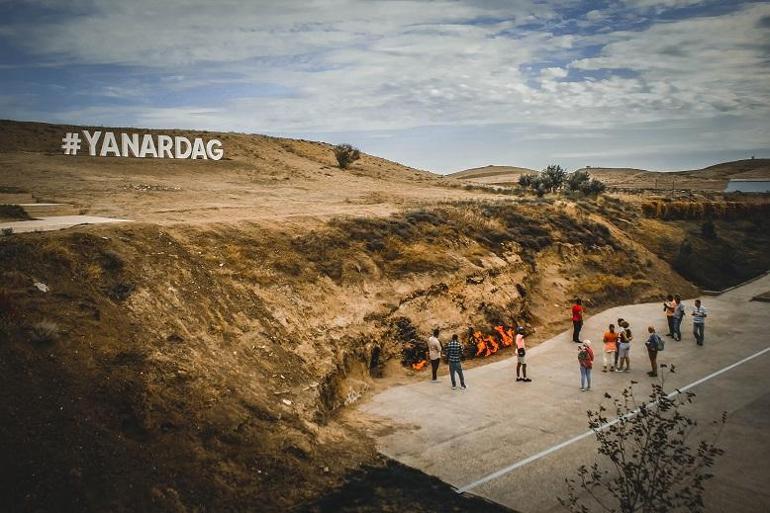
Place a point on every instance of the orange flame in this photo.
(419, 365)
(506, 336)
(481, 344)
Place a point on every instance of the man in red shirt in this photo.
(577, 319)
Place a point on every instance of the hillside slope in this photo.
(260, 179)
(712, 178)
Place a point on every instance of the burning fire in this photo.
(419, 365)
(487, 344)
(506, 336)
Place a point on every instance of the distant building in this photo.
(748, 185)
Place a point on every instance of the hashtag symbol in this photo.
(71, 143)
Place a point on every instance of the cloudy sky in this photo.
(444, 85)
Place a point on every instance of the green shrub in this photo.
(346, 155)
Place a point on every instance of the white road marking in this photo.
(590, 432)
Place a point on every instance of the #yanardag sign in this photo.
(107, 144)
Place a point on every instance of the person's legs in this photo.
(605, 360)
(678, 328)
(653, 362)
(670, 319)
(460, 373)
(617, 354)
(588, 378)
(434, 368)
(576, 327)
(698, 331)
(524, 371)
(583, 377)
(518, 370)
(452, 370)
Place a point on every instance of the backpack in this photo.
(521, 351)
(583, 355)
(659, 344)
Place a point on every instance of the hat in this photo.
(587, 342)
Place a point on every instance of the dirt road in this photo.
(515, 443)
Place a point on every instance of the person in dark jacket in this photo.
(653, 345)
(454, 354)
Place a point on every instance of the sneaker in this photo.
(526, 380)
(626, 370)
(464, 387)
(519, 379)
(582, 389)
(454, 387)
(604, 370)
(588, 389)
(652, 374)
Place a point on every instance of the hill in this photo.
(491, 175)
(260, 178)
(712, 178)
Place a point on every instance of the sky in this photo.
(442, 85)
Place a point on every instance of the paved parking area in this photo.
(515, 443)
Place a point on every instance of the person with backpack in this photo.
(454, 354)
(586, 362)
(698, 322)
(521, 356)
(654, 345)
(678, 316)
(577, 319)
(610, 348)
(434, 354)
(669, 306)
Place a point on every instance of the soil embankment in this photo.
(217, 356)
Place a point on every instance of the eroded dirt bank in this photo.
(201, 368)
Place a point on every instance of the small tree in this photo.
(526, 180)
(577, 181)
(553, 177)
(595, 187)
(648, 463)
(346, 155)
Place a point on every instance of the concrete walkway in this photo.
(479, 440)
(45, 224)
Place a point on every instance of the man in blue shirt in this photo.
(454, 353)
(698, 322)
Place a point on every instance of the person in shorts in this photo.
(521, 356)
(669, 306)
(610, 348)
